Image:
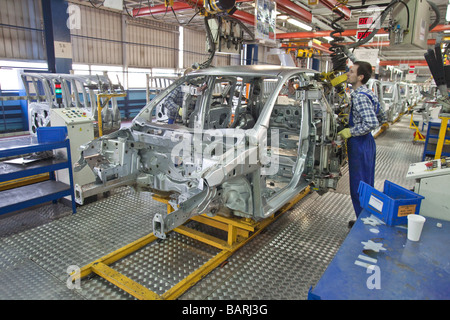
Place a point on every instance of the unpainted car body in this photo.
(247, 140)
(392, 99)
(405, 93)
(376, 86)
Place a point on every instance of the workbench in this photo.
(400, 270)
(37, 193)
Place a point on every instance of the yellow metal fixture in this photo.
(101, 105)
(168, 3)
(304, 53)
(240, 231)
(441, 140)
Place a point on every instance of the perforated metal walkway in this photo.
(38, 246)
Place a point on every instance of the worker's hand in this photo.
(345, 134)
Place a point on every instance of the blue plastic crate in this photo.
(51, 134)
(392, 205)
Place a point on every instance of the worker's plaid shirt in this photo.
(173, 102)
(363, 111)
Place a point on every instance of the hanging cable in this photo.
(338, 57)
(242, 25)
(380, 17)
(438, 15)
(184, 24)
(151, 13)
(339, 49)
(101, 4)
(211, 43)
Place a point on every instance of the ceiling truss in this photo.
(319, 17)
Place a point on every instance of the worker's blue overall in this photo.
(361, 152)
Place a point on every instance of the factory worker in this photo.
(363, 119)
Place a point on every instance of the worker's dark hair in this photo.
(364, 69)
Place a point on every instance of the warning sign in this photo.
(403, 211)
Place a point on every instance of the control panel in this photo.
(428, 168)
(72, 115)
(80, 130)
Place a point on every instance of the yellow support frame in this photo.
(418, 135)
(108, 96)
(383, 128)
(441, 140)
(240, 232)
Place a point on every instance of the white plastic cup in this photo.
(415, 225)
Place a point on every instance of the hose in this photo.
(338, 57)
(438, 15)
(212, 45)
(340, 50)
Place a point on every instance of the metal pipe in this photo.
(177, 6)
(348, 33)
(335, 5)
(294, 10)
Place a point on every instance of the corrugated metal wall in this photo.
(21, 30)
(195, 50)
(151, 44)
(102, 37)
(194, 43)
(221, 60)
(98, 40)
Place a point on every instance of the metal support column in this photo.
(57, 36)
(252, 54)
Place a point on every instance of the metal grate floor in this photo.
(37, 246)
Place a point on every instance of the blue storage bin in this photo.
(51, 134)
(392, 205)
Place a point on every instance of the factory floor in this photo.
(39, 246)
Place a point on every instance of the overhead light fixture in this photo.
(299, 24)
(329, 38)
(282, 17)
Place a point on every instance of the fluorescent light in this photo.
(283, 17)
(329, 38)
(299, 24)
(382, 35)
(447, 17)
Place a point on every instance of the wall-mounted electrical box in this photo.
(419, 22)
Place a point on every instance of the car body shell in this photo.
(393, 100)
(245, 148)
